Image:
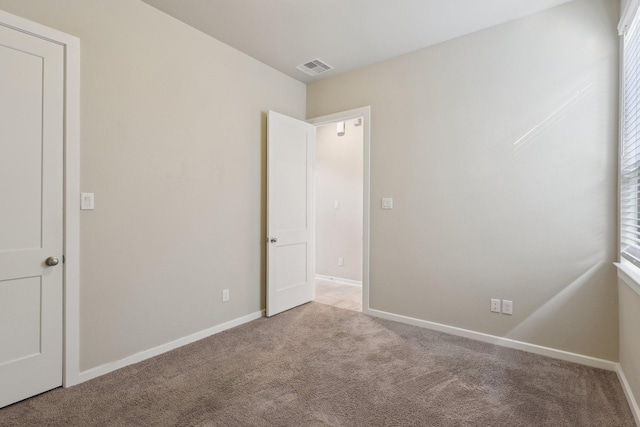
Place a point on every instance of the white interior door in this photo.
(31, 214)
(290, 145)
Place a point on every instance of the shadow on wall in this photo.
(582, 295)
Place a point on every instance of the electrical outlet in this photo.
(340, 261)
(507, 307)
(495, 305)
(225, 295)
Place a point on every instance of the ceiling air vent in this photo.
(315, 67)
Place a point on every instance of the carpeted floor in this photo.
(319, 365)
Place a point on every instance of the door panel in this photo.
(22, 163)
(290, 145)
(291, 261)
(20, 301)
(31, 214)
(290, 186)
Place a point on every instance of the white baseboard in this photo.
(633, 403)
(339, 280)
(504, 342)
(92, 373)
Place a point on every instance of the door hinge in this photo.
(63, 259)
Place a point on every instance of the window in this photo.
(630, 132)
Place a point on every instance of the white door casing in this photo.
(290, 150)
(31, 214)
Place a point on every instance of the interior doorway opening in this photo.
(339, 211)
(290, 208)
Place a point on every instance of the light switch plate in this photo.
(86, 201)
(387, 203)
(507, 307)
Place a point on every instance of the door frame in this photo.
(71, 189)
(365, 113)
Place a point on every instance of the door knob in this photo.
(51, 261)
(273, 240)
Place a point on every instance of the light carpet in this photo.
(318, 365)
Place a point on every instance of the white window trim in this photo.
(627, 271)
(629, 274)
(627, 16)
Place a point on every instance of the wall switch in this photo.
(340, 261)
(225, 295)
(507, 306)
(387, 203)
(336, 204)
(495, 305)
(86, 201)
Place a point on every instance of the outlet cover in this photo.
(340, 261)
(225, 295)
(507, 307)
(495, 305)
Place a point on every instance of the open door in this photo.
(290, 145)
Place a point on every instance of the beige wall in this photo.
(499, 149)
(339, 177)
(173, 145)
(629, 305)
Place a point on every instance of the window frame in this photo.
(629, 259)
(629, 150)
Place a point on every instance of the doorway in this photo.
(341, 209)
(290, 213)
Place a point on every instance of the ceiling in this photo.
(347, 34)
